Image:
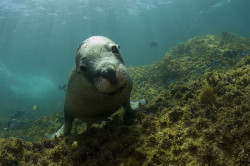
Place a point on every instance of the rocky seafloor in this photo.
(198, 113)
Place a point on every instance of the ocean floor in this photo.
(198, 113)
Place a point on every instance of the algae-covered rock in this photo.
(36, 130)
(198, 113)
(208, 96)
(189, 61)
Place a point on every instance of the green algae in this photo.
(198, 113)
(207, 96)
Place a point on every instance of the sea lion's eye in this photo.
(115, 50)
(84, 68)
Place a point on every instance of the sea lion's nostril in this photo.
(109, 74)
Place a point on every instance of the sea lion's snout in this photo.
(109, 73)
(111, 79)
(100, 61)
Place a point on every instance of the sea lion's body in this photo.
(99, 83)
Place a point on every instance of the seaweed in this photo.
(208, 154)
(208, 96)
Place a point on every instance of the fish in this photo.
(153, 44)
(63, 87)
(34, 108)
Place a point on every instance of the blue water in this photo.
(38, 39)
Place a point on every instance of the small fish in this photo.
(34, 108)
(62, 87)
(153, 44)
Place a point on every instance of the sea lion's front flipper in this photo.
(58, 133)
(67, 124)
(127, 107)
(131, 106)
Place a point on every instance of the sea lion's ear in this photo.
(78, 54)
(80, 45)
(77, 59)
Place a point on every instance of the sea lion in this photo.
(99, 83)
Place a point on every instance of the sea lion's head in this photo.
(100, 60)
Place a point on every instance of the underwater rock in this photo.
(175, 114)
(18, 115)
(17, 124)
(215, 64)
